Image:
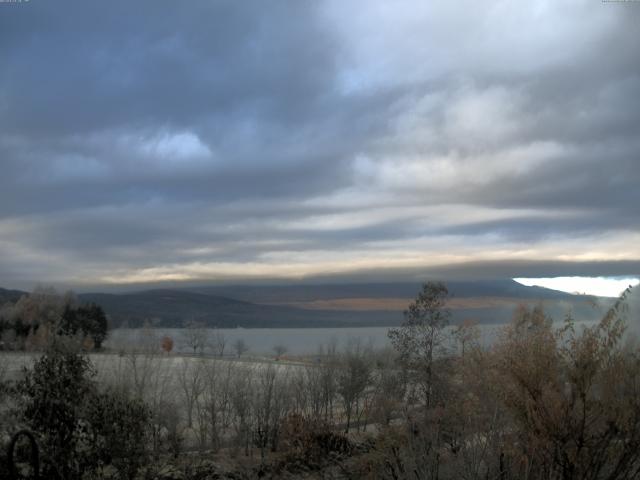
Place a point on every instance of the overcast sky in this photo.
(150, 141)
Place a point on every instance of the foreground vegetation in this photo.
(34, 319)
(541, 403)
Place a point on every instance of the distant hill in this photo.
(306, 293)
(10, 296)
(372, 304)
(171, 308)
(485, 301)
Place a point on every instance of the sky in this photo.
(164, 142)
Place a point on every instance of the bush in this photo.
(54, 391)
(81, 430)
(116, 432)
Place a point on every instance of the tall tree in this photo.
(421, 337)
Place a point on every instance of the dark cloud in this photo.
(151, 141)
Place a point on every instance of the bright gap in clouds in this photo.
(600, 286)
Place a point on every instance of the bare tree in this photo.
(270, 402)
(218, 343)
(299, 391)
(324, 379)
(314, 391)
(142, 364)
(279, 350)
(388, 390)
(421, 336)
(191, 383)
(214, 405)
(194, 335)
(466, 335)
(353, 378)
(241, 399)
(150, 377)
(240, 347)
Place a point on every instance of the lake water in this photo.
(261, 341)
(297, 341)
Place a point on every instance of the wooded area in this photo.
(543, 402)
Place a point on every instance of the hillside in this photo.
(171, 308)
(484, 301)
(323, 305)
(285, 294)
(7, 296)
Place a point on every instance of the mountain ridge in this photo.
(300, 293)
(314, 305)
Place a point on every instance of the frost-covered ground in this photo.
(114, 365)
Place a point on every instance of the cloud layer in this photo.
(157, 141)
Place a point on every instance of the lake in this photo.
(297, 341)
